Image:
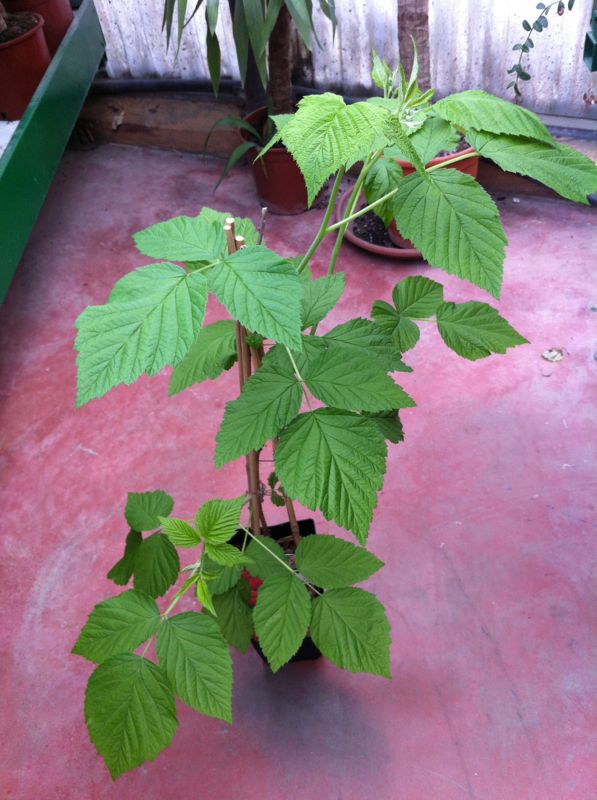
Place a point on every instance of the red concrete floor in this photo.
(486, 525)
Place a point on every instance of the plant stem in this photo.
(351, 217)
(460, 157)
(299, 377)
(323, 228)
(147, 646)
(262, 226)
(347, 220)
(350, 208)
(281, 561)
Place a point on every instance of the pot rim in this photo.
(397, 253)
(27, 35)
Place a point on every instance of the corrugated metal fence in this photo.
(470, 47)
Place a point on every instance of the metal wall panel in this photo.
(470, 43)
(471, 47)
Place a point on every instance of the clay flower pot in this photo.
(57, 14)
(278, 180)
(23, 61)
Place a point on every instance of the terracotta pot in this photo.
(57, 14)
(468, 165)
(278, 180)
(23, 62)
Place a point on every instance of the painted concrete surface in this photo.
(486, 524)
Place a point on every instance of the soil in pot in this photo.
(278, 180)
(369, 233)
(283, 535)
(57, 15)
(24, 57)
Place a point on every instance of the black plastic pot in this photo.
(308, 651)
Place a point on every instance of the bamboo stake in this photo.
(243, 352)
(294, 528)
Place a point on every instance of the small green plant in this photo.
(327, 403)
(531, 29)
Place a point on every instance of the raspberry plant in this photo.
(328, 402)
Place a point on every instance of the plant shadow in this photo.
(319, 711)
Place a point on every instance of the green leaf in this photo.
(180, 533)
(479, 110)
(122, 571)
(264, 564)
(255, 22)
(144, 509)
(384, 175)
(262, 291)
(235, 156)
(326, 134)
(149, 322)
(281, 617)
(130, 712)
(404, 333)
(217, 520)
(335, 461)
(213, 59)
(225, 577)
(269, 400)
(475, 330)
(118, 625)
(241, 39)
(398, 136)
(212, 352)
(350, 628)
(156, 565)
(565, 170)
(319, 297)
(195, 658)
(226, 554)
(182, 239)
(368, 339)
(417, 297)
(300, 13)
(353, 382)
(332, 563)
(434, 136)
(389, 424)
(204, 595)
(414, 298)
(234, 616)
(211, 14)
(455, 224)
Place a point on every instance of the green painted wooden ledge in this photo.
(36, 147)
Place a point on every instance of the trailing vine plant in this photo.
(326, 402)
(540, 24)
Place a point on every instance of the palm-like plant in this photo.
(262, 34)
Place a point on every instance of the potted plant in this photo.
(326, 404)
(24, 58)
(57, 16)
(262, 33)
(436, 142)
